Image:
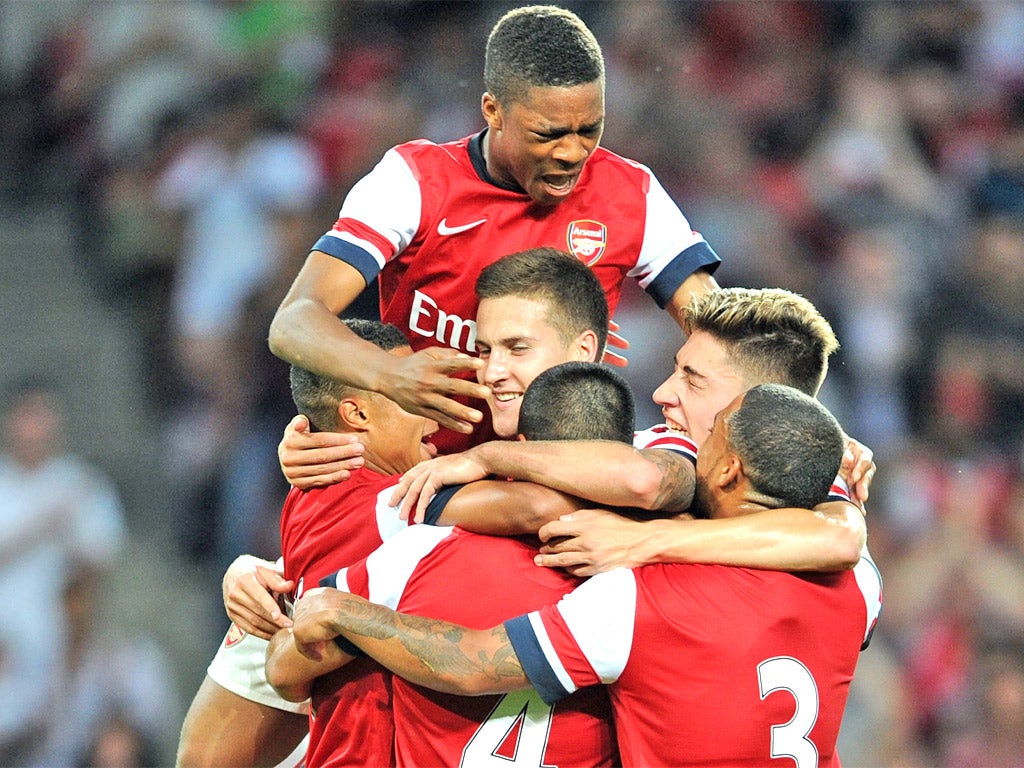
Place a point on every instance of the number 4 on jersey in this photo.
(515, 733)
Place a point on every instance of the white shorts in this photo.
(239, 666)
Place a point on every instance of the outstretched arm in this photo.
(605, 472)
(428, 652)
(587, 542)
(307, 331)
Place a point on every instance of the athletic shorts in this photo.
(239, 666)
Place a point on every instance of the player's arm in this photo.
(697, 283)
(501, 508)
(829, 538)
(307, 331)
(222, 728)
(429, 652)
(292, 674)
(608, 473)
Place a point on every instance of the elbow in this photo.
(645, 488)
(847, 547)
(277, 338)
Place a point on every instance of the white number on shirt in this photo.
(515, 733)
(783, 673)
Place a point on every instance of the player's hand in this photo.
(316, 614)
(313, 459)
(418, 485)
(617, 341)
(425, 383)
(858, 469)
(591, 541)
(250, 588)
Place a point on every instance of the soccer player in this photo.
(705, 664)
(479, 580)
(426, 219)
(236, 718)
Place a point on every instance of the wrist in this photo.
(653, 546)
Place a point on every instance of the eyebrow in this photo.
(561, 130)
(689, 370)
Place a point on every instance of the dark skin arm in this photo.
(306, 331)
(292, 674)
(502, 508)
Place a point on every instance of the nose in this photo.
(664, 395)
(573, 149)
(495, 368)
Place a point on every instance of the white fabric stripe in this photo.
(388, 200)
(870, 582)
(667, 233)
(601, 614)
(549, 652)
(390, 566)
(388, 521)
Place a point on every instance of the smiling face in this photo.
(517, 343)
(540, 142)
(702, 383)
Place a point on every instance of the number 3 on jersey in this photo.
(514, 734)
(783, 673)
(792, 739)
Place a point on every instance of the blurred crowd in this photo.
(868, 155)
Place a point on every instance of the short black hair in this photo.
(790, 445)
(578, 401)
(540, 45)
(316, 397)
(575, 298)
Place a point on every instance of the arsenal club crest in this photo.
(235, 635)
(587, 240)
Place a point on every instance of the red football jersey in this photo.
(476, 580)
(322, 530)
(427, 219)
(708, 664)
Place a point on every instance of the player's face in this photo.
(702, 383)
(517, 344)
(400, 439)
(405, 438)
(541, 142)
(711, 461)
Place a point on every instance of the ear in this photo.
(585, 347)
(730, 472)
(353, 415)
(491, 111)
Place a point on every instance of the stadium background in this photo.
(869, 155)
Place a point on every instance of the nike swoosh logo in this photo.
(444, 229)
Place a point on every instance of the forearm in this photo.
(698, 283)
(774, 539)
(500, 508)
(306, 333)
(433, 653)
(605, 472)
(292, 674)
